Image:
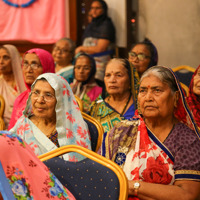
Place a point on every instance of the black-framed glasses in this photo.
(47, 96)
(140, 56)
(25, 65)
(62, 51)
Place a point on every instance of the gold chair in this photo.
(185, 88)
(184, 73)
(93, 178)
(2, 107)
(184, 67)
(95, 129)
(80, 103)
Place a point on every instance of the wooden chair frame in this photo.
(182, 67)
(123, 182)
(80, 103)
(2, 107)
(98, 126)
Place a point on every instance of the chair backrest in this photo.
(184, 73)
(5, 188)
(92, 178)
(185, 88)
(80, 103)
(95, 129)
(2, 107)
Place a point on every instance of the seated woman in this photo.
(52, 117)
(159, 149)
(84, 85)
(193, 98)
(63, 54)
(11, 84)
(40, 61)
(143, 55)
(99, 37)
(27, 176)
(121, 83)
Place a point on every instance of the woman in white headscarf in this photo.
(52, 117)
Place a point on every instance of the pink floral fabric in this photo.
(70, 125)
(28, 177)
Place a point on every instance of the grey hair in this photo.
(122, 61)
(163, 74)
(71, 43)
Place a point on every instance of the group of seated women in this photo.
(151, 128)
(158, 149)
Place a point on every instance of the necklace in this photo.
(125, 106)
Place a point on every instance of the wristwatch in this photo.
(136, 186)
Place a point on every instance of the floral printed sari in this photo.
(28, 177)
(70, 125)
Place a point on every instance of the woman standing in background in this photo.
(99, 37)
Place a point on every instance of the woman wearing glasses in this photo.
(34, 63)
(99, 37)
(84, 85)
(121, 83)
(143, 55)
(63, 54)
(11, 84)
(52, 117)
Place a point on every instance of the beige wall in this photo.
(174, 27)
(117, 10)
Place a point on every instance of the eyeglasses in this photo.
(47, 96)
(84, 67)
(140, 56)
(32, 65)
(62, 51)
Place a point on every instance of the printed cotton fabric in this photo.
(70, 125)
(28, 177)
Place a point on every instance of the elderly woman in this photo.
(99, 37)
(11, 84)
(158, 150)
(121, 83)
(84, 85)
(63, 54)
(27, 176)
(34, 63)
(143, 55)
(52, 117)
(194, 96)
